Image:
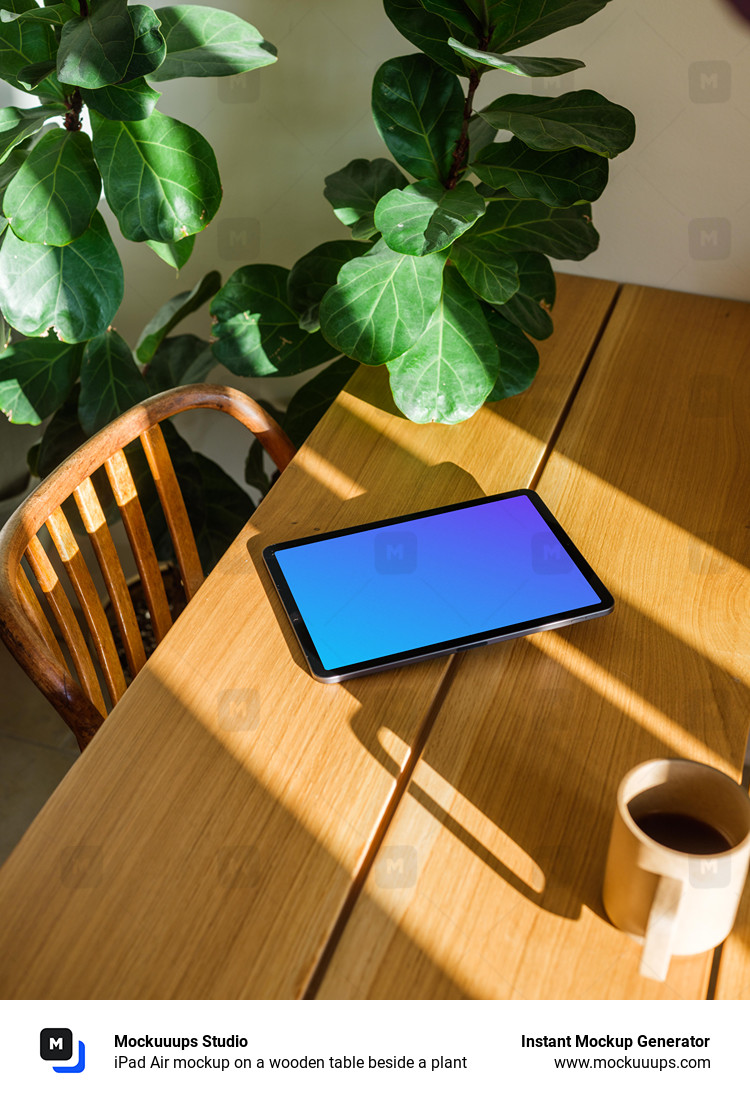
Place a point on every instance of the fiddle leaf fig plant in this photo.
(451, 274)
(61, 278)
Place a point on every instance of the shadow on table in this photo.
(536, 755)
(433, 486)
(520, 748)
(662, 410)
(226, 894)
(525, 749)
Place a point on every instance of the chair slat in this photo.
(32, 633)
(99, 534)
(126, 496)
(88, 599)
(53, 591)
(33, 611)
(172, 502)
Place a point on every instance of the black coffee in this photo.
(683, 833)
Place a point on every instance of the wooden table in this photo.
(239, 830)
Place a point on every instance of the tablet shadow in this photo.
(434, 486)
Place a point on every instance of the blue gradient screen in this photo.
(422, 582)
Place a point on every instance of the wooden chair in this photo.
(25, 628)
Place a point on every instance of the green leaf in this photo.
(519, 359)
(428, 32)
(19, 123)
(447, 375)
(20, 5)
(34, 74)
(355, 191)
(311, 401)
(491, 274)
(418, 110)
(203, 41)
(75, 289)
(149, 49)
(129, 102)
(62, 436)
(557, 179)
(523, 225)
(110, 381)
(23, 43)
(455, 13)
(174, 253)
(381, 303)
(424, 217)
(257, 460)
(492, 193)
(51, 92)
(256, 329)
(481, 134)
(519, 66)
(35, 378)
(96, 49)
(160, 176)
(217, 507)
(314, 274)
(54, 13)
(55, 193)
(255, 471)
(11, 165)
(584, 119)
(529, 307)
(516, 22)
(174, 311)
(180, 361)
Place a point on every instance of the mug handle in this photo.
(657, 943)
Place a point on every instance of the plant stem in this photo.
(462, 144)
(74, 103)
(83, 5)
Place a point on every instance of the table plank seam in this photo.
(261, 848)
(381, 829)
(402, 784)
(567, 407)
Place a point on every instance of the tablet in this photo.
(404, 589)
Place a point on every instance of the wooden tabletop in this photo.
(238, 830)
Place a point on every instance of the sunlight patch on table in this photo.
(418, 440)
(326, 474)
(619, 695)
(676, 578)
(473, 827)
(421, 887)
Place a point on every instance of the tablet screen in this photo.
(428, 580)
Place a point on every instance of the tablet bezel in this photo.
(452, 645)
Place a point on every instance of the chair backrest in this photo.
(72, 685)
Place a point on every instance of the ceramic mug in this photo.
(678, 859)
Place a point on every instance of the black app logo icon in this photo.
(56, 1044)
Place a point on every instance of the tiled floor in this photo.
(36, 750)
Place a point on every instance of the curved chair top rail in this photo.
(23, 626)
(35, 510)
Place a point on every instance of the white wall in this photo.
(675, 213)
